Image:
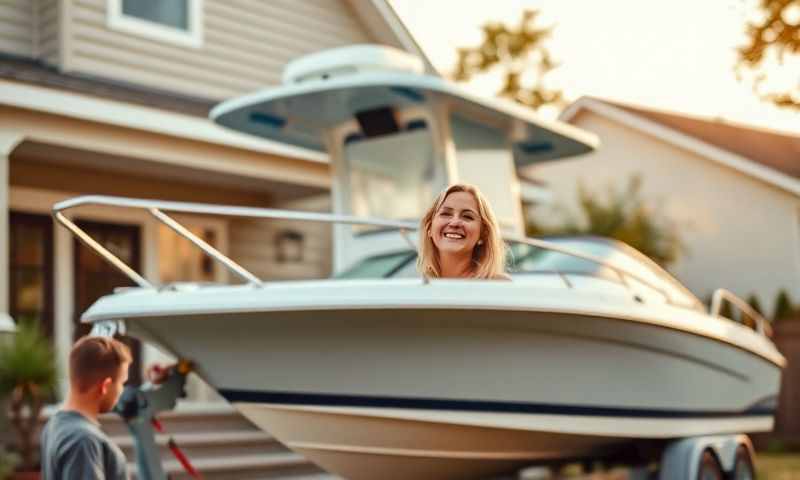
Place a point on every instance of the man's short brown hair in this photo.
(93, 359)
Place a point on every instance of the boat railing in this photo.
(759, 323)
(157, 209)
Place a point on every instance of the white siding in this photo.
(252, 244)
(48, 31)
(246, 43)
(17, 30)
(741, 233)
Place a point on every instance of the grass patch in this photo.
(778, 466)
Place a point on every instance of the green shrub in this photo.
(8, 462)
(783, 307)
(28, 376)
(752, 300)
(622, 215)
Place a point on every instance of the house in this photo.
(111, 97)
(733, 191)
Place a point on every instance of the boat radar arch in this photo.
(397, 136)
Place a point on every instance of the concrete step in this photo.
(215, 419)
(283, 466)
(204, 445)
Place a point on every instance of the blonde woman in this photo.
(459, 237)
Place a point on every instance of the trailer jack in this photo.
(138, 407)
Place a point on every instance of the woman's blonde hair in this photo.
(488, 256)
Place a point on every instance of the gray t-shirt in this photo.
(74, 448)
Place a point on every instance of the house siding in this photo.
(251, 243)
(17, 27)
(740, 232)
(48, 31)
(246, 44)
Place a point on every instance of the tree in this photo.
(783, 306)
(772, 39)
(520, 53)
(623, 215)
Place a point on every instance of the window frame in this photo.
(193, 37)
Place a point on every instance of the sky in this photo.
(673, 55)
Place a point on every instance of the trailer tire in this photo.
(743, 468)
(709, 468)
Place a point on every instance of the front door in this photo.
(94, 277)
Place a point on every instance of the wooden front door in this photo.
(94, 277)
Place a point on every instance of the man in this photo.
(73, 446)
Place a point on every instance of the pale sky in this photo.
(675, 55)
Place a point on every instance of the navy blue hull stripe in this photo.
(326, 400)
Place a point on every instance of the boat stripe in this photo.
(332, 400)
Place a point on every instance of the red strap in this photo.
(182, 458)
(157, 425)
(176, 451)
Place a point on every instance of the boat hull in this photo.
(469, 393)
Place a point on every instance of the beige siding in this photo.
(246, 43)
(740, 233)
(17, 32)
(48, 31)
(252, 244)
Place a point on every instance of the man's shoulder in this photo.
(70, 425)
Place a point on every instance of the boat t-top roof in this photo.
(327, 89)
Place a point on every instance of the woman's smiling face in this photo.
(456, 226)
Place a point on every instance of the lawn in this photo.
(778, 466)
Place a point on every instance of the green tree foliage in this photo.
(784, 308)
(725, 310)
(622, 215)
(521, 55)
(752, 300)
(27, 377)
(772, 38)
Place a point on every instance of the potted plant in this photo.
(27, 379)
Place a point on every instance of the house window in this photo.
(172, 21)
(31, 269)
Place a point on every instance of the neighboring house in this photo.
(733, 191)
(111, 97)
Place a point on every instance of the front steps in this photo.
(220, 444)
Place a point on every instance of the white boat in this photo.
(590, 351)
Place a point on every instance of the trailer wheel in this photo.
(709, 468)
(743, 467)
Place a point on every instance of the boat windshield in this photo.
(526, 259)
(529, 259)
(382, 266)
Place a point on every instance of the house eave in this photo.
(137, 117)
(723, 157)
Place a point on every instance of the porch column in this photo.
(9, 140)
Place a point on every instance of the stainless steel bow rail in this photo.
(157, 208)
